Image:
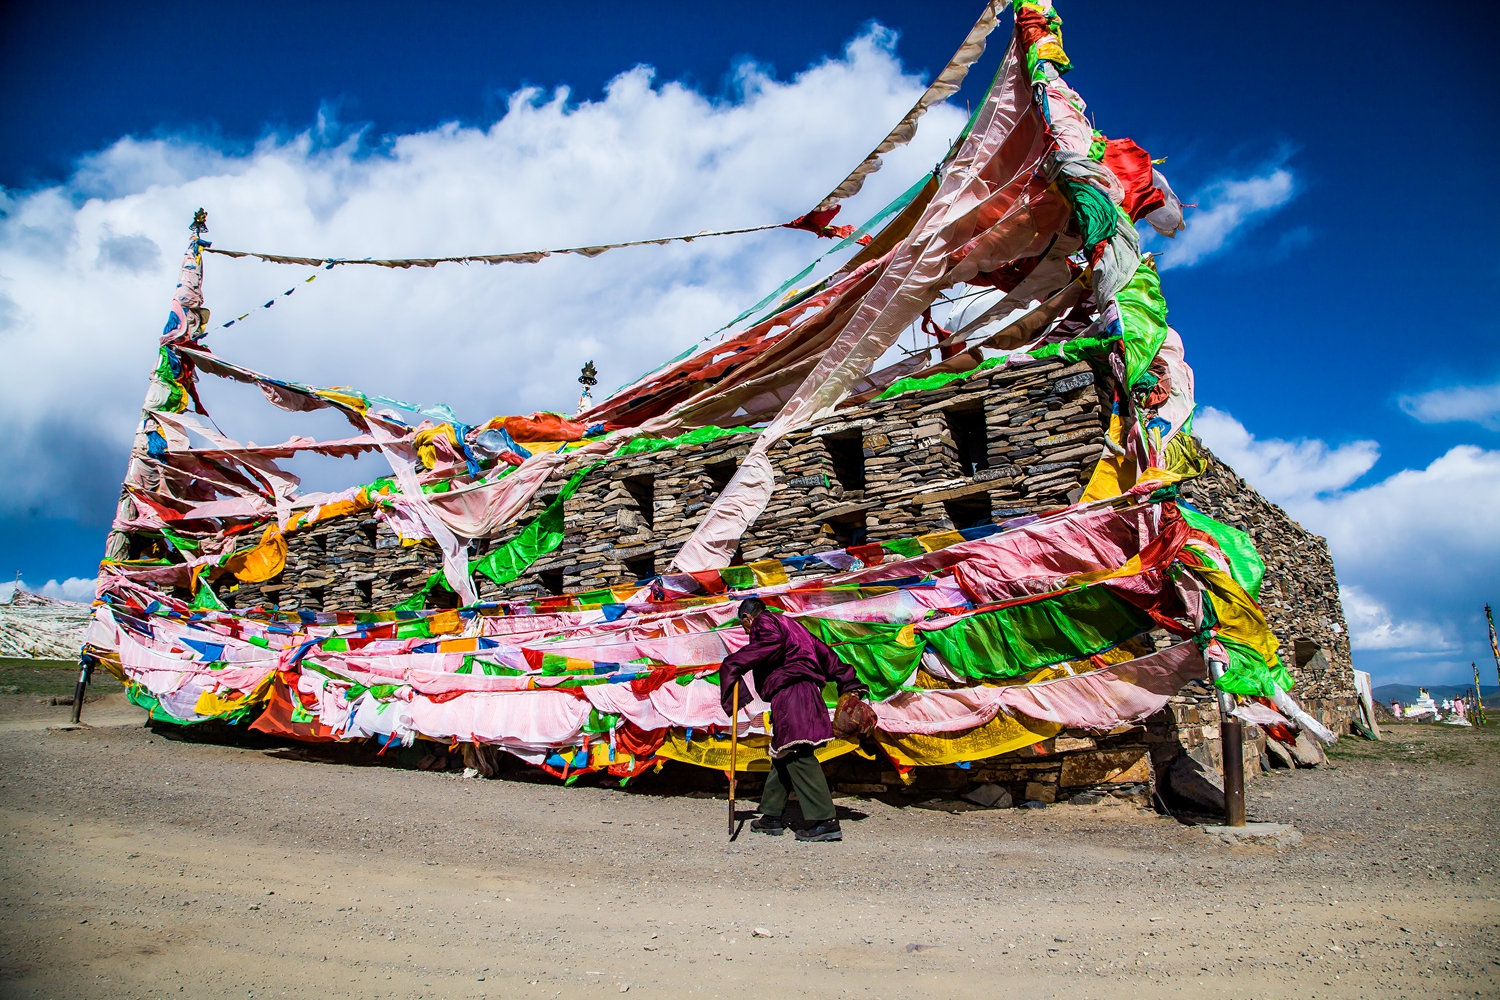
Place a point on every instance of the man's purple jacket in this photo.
(789, 666)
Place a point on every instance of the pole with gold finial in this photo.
(187, 321)
(171, 391)
(588, 377)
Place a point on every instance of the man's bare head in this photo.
(750, 609)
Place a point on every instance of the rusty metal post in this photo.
(1232, 743)
(1232, 735)
(85, 675)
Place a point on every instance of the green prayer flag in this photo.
(414, 630)
(418, 601)
(510, 560)
(906, 548)
(1075, 350)
(1245, 564)
(881, 657)
(141, 697)
(1249, 674)
(541, 536)
(600, 722)
(487, 668)
(176, 396)
(179, 543)
(1092, 209)
(206, 599)
(1013, 641)
(698, 435)
(738, 577)
(1143, 319)
(929, 382)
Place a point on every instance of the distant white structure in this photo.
(1423, 706)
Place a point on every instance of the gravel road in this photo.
(139, 866)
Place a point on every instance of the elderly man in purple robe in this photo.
(789, 666)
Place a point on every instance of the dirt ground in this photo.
(133, 865)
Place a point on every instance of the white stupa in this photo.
(1424, 705)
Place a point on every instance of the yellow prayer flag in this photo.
(939, 540)
(444, 622)
(262, 562)
(768, 572)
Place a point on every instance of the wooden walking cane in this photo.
(734, 747)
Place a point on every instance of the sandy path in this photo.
(136, 866)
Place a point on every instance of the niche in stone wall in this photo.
(970, 438)
(1309, 655)
(720, 473)
(970, 511)
(846, 451)
(366, 589)
(642, 490)
(441, 597)
(847, 529)
(401, 580)
(551, 580)
(312, 599)
(641, 567)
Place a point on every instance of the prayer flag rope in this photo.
(271, 301)
(523, 257)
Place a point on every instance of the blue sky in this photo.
(1333, 289)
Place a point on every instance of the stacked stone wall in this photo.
(1040, 434)
(992, 447)
(1300, 593)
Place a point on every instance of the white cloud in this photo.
(1415, 551)
(1286, 471)
(87, 267)
(71, 589)
(1477, 404)
(1227, 208)
(137, 252)
(1371, 626)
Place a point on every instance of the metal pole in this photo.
(1232, 742)
(85, 675)
(1232, 734)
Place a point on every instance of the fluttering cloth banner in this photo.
(973, 643)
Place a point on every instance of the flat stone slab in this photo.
(1278, 835)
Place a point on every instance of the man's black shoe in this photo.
(773, 825)
(827, 830)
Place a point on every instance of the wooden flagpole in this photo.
(734, 747)
(1478, 697)
(1494, 645)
